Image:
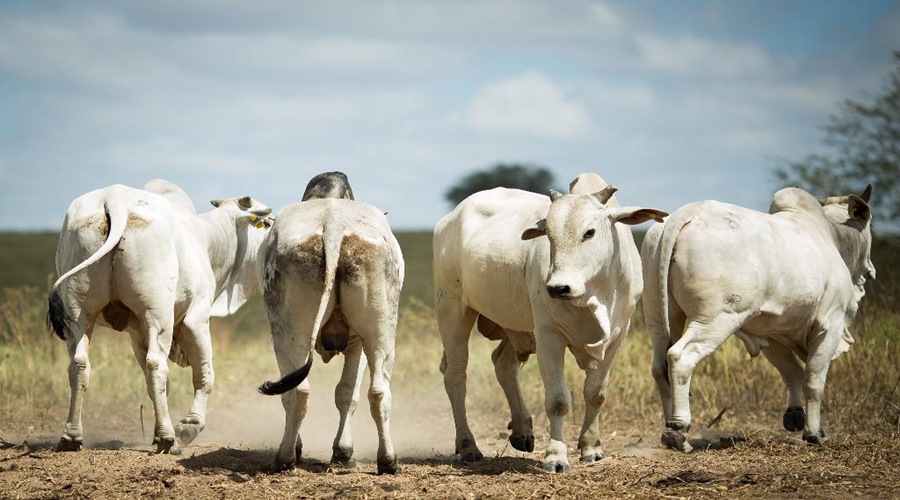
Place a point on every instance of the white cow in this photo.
(138, 261)
(787, 283)
(577, 289)
(333, 272)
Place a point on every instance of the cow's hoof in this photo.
(188, 431)
(794, 418)
(388, 466)
(279, 466)
(556, 467)
(815, 438)
(677, 425)
(591, 457)
(468, 451)
(67, 443)
(163, 444)
(675, 441)
(525, 442)
(343, 458)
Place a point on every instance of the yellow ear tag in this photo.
(260, 224)
(252, 217)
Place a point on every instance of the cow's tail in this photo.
(333, 237)
(670, 234)
(58, 319)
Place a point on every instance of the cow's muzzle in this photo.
(560, 291)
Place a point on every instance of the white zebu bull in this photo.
(787, 283)
(333, 272)
(576, 289)
(143, 262)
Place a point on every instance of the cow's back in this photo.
(481, 260)
(780, 267)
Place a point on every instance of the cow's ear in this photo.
(215, 203)
(245, 203)
(858, 209)
(636, 215)
(536, 231)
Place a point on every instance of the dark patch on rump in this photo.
(136, 222)
(357, 258)
(99, 222)
(306, 258)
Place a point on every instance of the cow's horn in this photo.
(555, 195)
(605, 194)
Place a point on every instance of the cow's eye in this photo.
(588, 234)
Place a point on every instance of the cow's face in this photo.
(246, 209)
(852, 219)
(581, 230)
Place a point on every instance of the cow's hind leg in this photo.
(291, 356)
(699, 340)
(792, 374)
(821, 350)
(197, 345)
(346, 398)
(78, 342)
(506, 368)
(455, 323)
(151, 342)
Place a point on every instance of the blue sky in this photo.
(672, 102)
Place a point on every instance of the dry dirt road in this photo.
(769, 464)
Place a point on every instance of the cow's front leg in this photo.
(346, 397)
(506, 368)
(78, 342)
(792, 373)
(595, 384)
(557, 399)
(198, 349)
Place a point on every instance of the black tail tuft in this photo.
(57, 317)
(288, 381)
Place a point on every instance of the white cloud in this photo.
(530, 105)
(605, 15)
(688, 55)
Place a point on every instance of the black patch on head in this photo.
(328, 185)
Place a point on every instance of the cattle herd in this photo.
(538, 274)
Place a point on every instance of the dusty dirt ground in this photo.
(766, 464)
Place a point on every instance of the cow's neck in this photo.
(221, 236)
